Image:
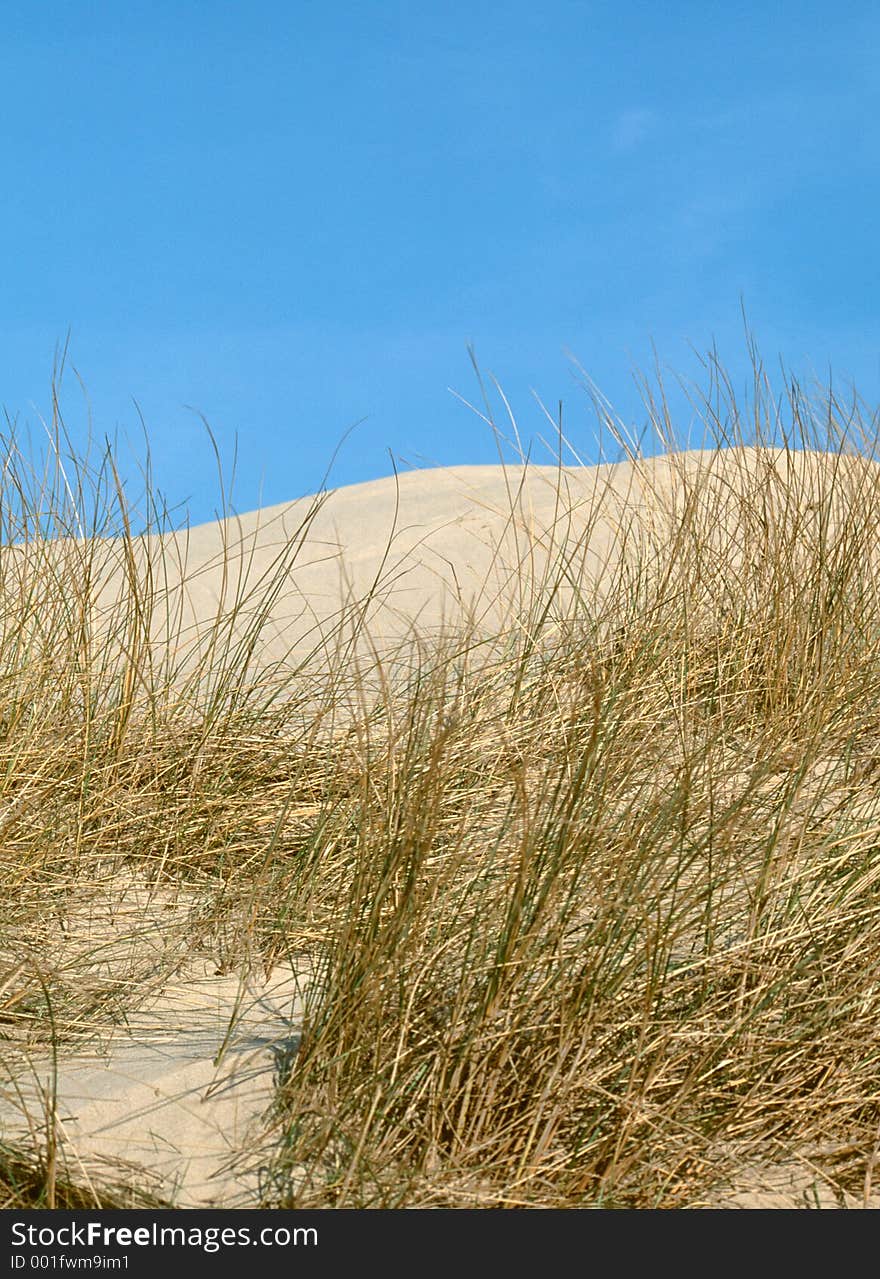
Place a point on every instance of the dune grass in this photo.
(592, 902)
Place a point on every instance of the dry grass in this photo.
(594, 903)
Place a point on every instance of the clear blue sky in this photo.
(293, 216)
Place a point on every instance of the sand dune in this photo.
(437, 545)
(426, 549)
(432, 547)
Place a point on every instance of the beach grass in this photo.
(591, 903)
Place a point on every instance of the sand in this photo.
(170, 1090)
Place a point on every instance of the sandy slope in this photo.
(155, 1107)
(171, 1089)
(432, 545)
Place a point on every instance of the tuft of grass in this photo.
(591, 900)
(28, 1182)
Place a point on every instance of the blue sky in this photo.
(289, 217)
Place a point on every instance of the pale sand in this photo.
(149, 1102)
(155, 1109)
(170, 1090)
(435, 546)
